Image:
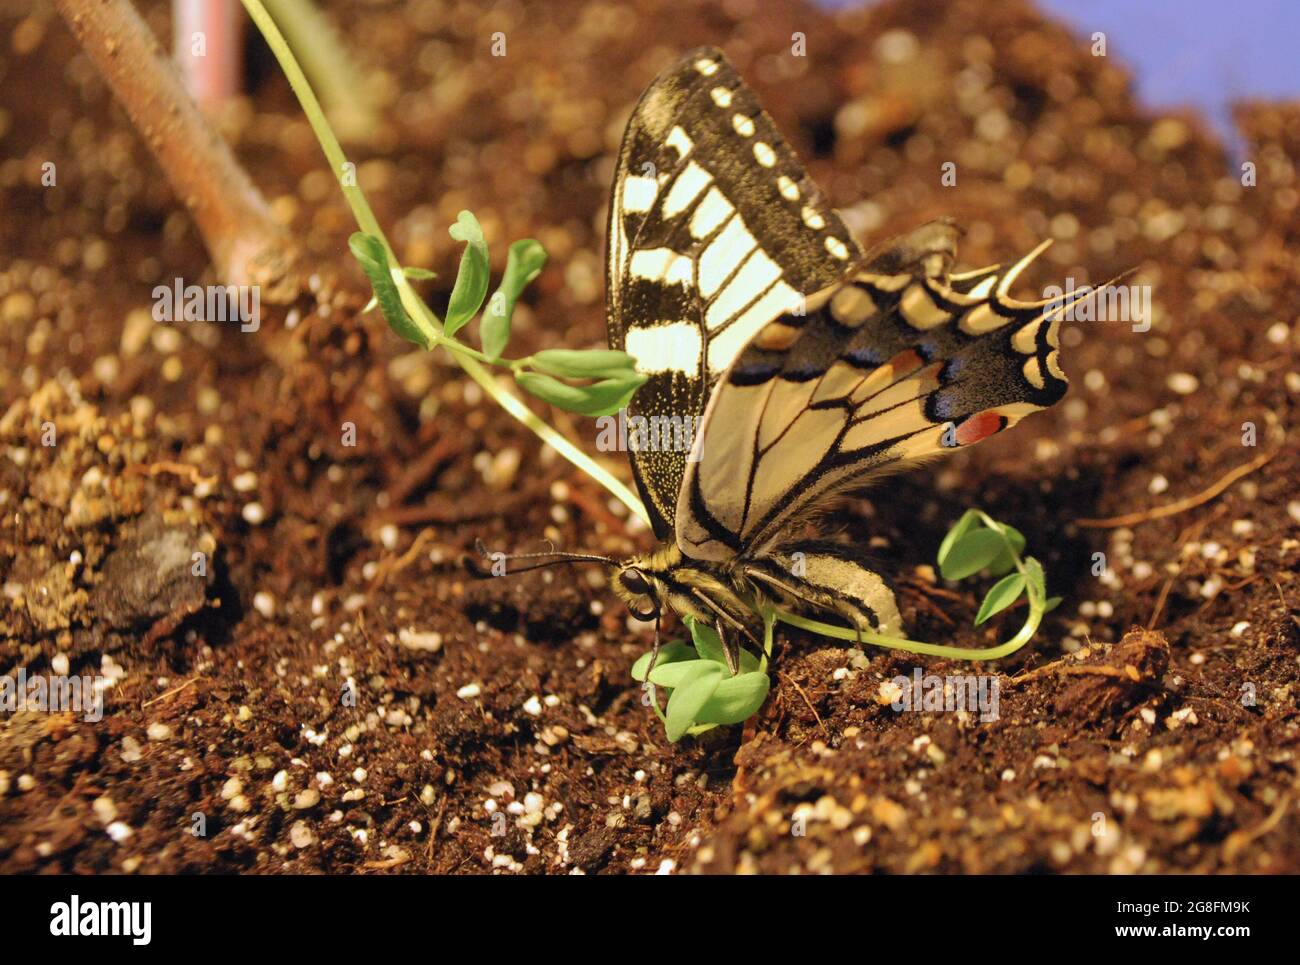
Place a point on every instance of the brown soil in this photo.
(305, 696)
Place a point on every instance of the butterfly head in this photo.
(639, 588)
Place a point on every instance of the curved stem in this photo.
(420, 313)
(915, 646)
(336, 76)
(365, 218)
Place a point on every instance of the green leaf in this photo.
(1005, 561)
(418, 274)
(709, 646)
(971, 553)
(592, 364)
(472, 279)
(668, 653)
(600, 398)
(707, 642)
(1052, 603)
(523, 264)
(736, 699)
(681, 674)
(687, 700)
(970, 520)
(370, 253)
(1004, 593)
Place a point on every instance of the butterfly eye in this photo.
(634, 582)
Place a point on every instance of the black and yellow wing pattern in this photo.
(715, 229)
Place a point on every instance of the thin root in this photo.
(1181, 505)
(791, 681)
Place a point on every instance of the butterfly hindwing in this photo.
(715, 229)
(885, 370)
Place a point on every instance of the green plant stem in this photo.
(365, 218)
(914, 646)
(469, 352)
(326, 60)
(420, 313)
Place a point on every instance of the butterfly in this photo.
(805, 366)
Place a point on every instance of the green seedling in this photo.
(978, 544)
(600, 381)
(701, 692)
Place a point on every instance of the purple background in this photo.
(1193, 53)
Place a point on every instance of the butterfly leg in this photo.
(730, 649)
(654, 653)
(730, 643)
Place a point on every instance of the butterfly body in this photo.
(733, 595)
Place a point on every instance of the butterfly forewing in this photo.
(715, 229)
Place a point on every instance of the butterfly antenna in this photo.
(552, 557)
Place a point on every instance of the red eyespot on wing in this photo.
(979, 426)
(905, 363)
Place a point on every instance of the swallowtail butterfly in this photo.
(808, 366)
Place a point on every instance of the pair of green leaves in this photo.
(979, 544)
(524, 262)
(702, 693)
(613, 379)
(606, 380)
